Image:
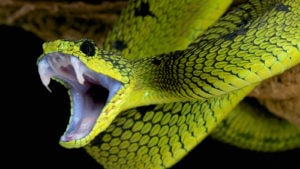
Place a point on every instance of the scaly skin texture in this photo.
(150, 17)
(159, 136)
(189, 91)
(257, 129)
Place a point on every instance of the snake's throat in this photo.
(89, 91)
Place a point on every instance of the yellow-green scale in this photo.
(211, 67)
(239, 50)
(159, 136)
(207, 79)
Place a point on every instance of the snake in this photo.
(171, 73)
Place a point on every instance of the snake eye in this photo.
(88, 48)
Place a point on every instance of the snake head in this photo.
(96, 80)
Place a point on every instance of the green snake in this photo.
(173, 72)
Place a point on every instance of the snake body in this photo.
(165, 91)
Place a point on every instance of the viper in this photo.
(173, 72)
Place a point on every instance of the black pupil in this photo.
(88, 48)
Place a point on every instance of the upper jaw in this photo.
(89, 91)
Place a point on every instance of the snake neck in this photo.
(166, 78)
(180, 76)
(246, 46)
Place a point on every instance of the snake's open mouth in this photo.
(89, 91)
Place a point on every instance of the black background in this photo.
(36, 118)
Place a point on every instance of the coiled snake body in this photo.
(171, 73)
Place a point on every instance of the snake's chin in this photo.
(89, 91)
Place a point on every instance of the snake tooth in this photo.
(169, 74)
